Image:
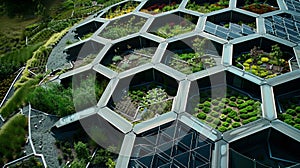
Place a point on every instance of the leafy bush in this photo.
(226, 111)
(216, 108)
(228, 120)
(232, 114)
(232, 98)
(236, 119)
(215, 102)
(289, 121)
(222, 129)
(225, 100)
(297, 120)
(225, 124)
(206, 110)
(201, 116)
(249, 108)
(223, 117)
(243, 111)
(244, 116)
(297, 109)
(232, 104)
(297, 126)
(236, 124)
(291, 112)
(239, 101)
(207, 104)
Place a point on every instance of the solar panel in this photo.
(268, 22)
(295, 39)
(233, 35)
(281, 34)
(221, 34)
(292, 32)
(277, 19)
(290, 26)
(289, 21)
(235, 27)
(222, 29)
(210, 24)
(210, 30)
(279, 27)
(269, 29)
(247, 29)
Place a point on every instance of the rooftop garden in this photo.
(123, 27)
(173, 25)
(193, 58)
(144, 102)
(207, 6)
(258, 6)
(160, 7)
(129, 54)
(290, 110)
(145, 99)
(120, 10)
(262, 63)
(225, 113)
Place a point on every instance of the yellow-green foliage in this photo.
(12, 137)
(19, 98)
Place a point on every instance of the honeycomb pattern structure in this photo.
(178, 109)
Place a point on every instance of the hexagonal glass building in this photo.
(190, 84)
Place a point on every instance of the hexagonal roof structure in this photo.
(189, 81)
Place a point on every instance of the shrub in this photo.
(297, 109)
(200, 106)
(207, 104)
(232, 114)
(236, 118)
(215, 114)
(245, 97)
(239, 101)
(223, 117)
(226, 111)
(264, 59)
(225, 124)
(232, 98)
(201, 116)
(287, 116)
(250, 102)
(236, 124)
(232, 104)
(228, 120)
(196, 109)
(244, 116)
(117, 58)
(249, 108)
(221, 105)
(245, 122)
(252, 114)
(243, 111)
(209, 119)
(291, 112)
(243, 105)
(252, 119)
(297, 120)
(289, 121)
(225, 100)
(222, 129)
(217, 122)
(206, 110)
(297, 126)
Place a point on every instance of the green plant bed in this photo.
(264, 64)
(207, 7)
(12, 138)
(121, 28)
(131, 58)
(5, 84)
(159, 8)
(290, 111)
(259, 8)
(144, 102)
(227, 116)
(121, 10)
(171, 29)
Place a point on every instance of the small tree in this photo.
(81, 150)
